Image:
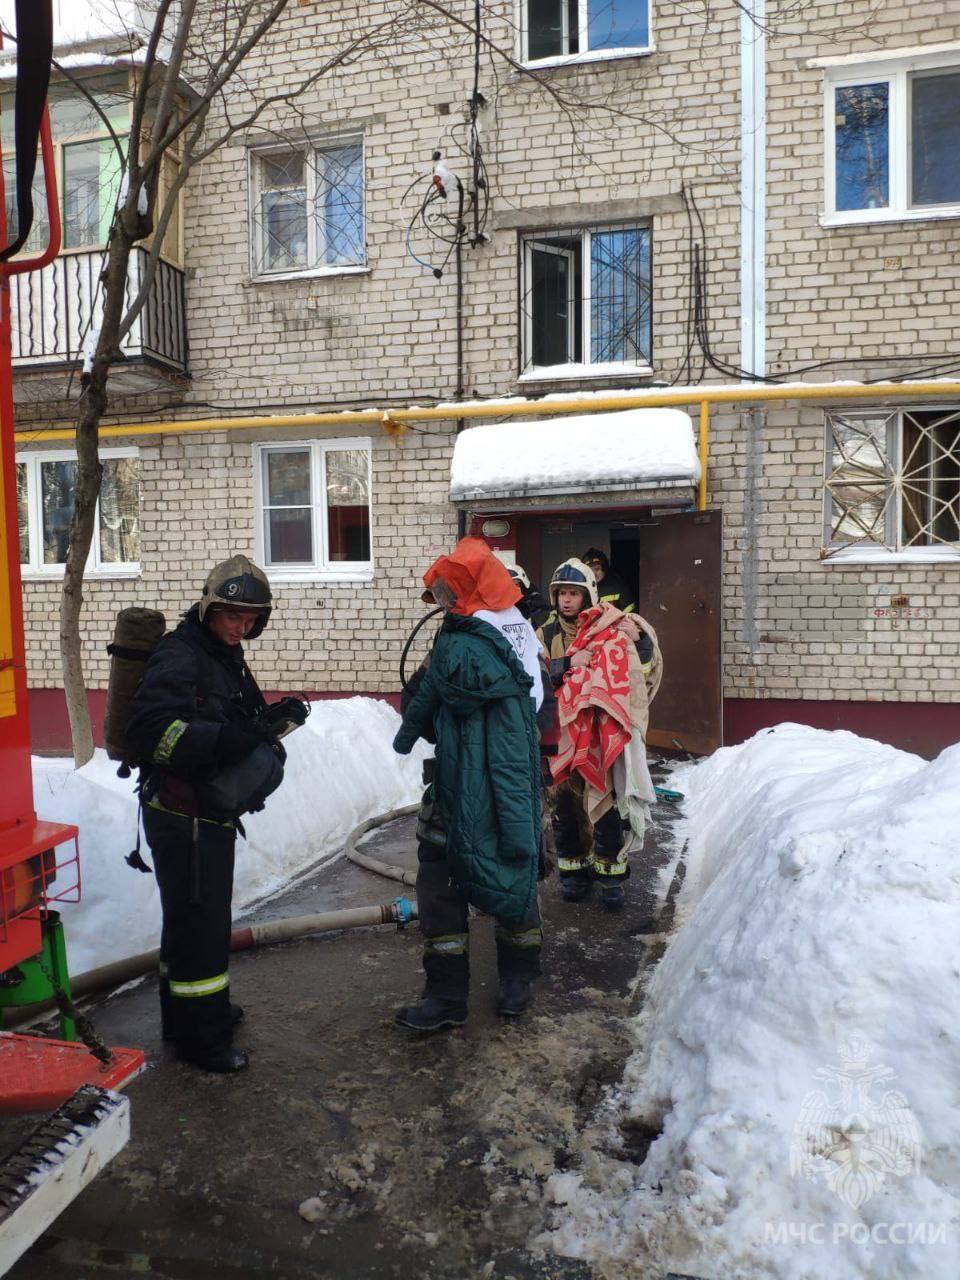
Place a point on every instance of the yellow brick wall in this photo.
(794, 627)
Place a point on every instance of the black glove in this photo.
(286, 715)
(558, 669)
(237, 739)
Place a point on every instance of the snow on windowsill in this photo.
(883, 555)
(566, 372)
(591, 55)
(81, 62)
(922, 55)
(312, 273)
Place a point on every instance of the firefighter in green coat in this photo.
(477, 702)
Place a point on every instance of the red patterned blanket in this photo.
(594, 701)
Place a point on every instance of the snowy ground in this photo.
(340, 770)
(796, 1071)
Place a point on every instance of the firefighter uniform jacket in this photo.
(557, 633)
(615, 591)
(193, 685)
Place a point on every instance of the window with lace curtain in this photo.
(45, 495)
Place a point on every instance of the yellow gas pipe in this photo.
(554, 406)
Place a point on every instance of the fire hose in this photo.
(400, 912)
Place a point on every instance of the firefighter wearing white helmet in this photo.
(585, 851)
(573, 588)
(531, 603)
(205, 742)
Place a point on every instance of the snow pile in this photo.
(799, 1044)
(341, 769)
(604, 451)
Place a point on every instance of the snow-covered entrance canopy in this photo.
(609, 452)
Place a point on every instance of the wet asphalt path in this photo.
(427, 1157)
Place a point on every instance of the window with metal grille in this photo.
(586, 298)
(307, 208)
(892, 481)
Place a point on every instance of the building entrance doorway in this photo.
(671, 563)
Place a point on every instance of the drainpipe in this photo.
(753, 48)
(461, 385)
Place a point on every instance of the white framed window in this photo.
(314, 508)
(586, 302)
(45, 489)
(88, 167)
(556, 31)
(87, 164)
(307, 209)
(892, 485)
(892, 135)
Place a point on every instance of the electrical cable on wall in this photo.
(698, 328)
(444, 199)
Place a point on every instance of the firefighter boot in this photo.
(236, 1015)
(432, 1013)
(225, 1060)
(612, 896)
(444, 1000)
(575, 885)
(515, 997)
(518, 962)
(611, 865)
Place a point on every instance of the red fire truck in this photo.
(45, 1159)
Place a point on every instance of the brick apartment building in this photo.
(676, 198)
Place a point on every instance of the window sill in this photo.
(866, 218)
(883, 556)
(569, 372)
(591, 55)
(312, 273)
(90, 575)
(288, 577)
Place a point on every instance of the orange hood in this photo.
(476, 577)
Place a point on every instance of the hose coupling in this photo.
(404, 911)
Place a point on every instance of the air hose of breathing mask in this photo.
(410, 639)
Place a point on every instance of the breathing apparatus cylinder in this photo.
(135, 636)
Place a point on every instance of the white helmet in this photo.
(574, 573)
(518, 574)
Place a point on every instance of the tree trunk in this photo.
(93, 405)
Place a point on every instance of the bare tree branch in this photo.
(143, 85)
(223, 74)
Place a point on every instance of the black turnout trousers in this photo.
(444, 913)
(193, 861)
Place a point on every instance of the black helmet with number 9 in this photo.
(239, 584)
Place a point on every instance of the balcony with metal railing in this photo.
(54, 311)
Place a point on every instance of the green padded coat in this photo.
(475, 703)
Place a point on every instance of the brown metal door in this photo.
(679, 595)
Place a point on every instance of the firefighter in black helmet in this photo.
(610, 586)
(201, 732)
